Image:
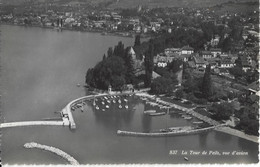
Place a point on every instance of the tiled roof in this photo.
(204, 52)
(187, 48)
(199, 60)
(215, 49)
(226, 61)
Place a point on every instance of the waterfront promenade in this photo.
(238, 133)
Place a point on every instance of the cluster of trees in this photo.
(222, 111)
(202, 89)
(239, 74)
(248, 121)
(198, 89)
(116, 69)
(168, 79)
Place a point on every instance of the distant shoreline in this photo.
(106, 33)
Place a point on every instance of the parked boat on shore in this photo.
(187, 118)
(149, 111)
(198, 122)
(156, 114)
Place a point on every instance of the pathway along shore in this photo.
(238, 133)
(53, 150)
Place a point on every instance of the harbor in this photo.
(44, 81)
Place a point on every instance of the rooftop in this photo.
(187, 48)
(205, 52)
(199, 60)
(215, 49)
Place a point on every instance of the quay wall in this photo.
(67, 109)
(54, 150)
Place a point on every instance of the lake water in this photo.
(40, 72)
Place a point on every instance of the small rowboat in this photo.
(157, 114)
(149, 111)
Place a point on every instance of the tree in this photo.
(110, 71)
(236, 71)
(161, 85)
(130, 77)
(119, 49)
(207, 89)
(137, 40)
(148, 60)
(179, 93)
(89, 77)
(222, 111)
(104, 57)
(174, 66)
(110, 52)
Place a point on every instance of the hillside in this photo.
(171, 3)
(133, 3)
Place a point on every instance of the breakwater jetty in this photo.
(54, 150)
(30, 123)
(165, 134)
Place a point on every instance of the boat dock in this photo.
(189, 111)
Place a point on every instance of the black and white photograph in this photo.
(112, 82)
